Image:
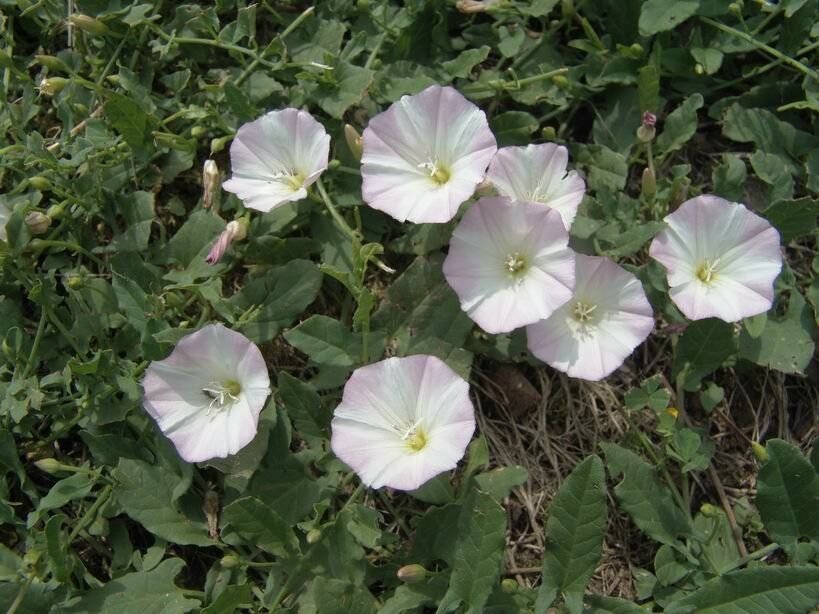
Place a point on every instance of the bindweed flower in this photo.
(402, 421)
(210, 182)
(591, 335)
(234, 231)
(424, 155)
(537, 173)
(208, 394)
(276, 157)
(509, 263)
(721, 259)
(354, 143)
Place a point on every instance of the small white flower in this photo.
(537, 173)
(276, 157)
(402, 421)
(722, 260)
(423, 157)
(208, 394)
(591, 335)
(509, 263)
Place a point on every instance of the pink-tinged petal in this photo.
(387, 404)
(495, 232)
(738, 250)
(620, 318)
(178, 393)
(537, 173)
(437, 128)
(276, 157)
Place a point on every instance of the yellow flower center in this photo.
(417, 441)
(707, 271)
(222, 394)
(582, 312)
(439, 173)
(515, 263)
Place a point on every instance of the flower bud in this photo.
(567, 9)
(333, 164)
(210, 182)
(509, 585)
(313, 536)
(51, 62)
(210, 505)
(708, 510)
(52, 86)
(411, 574)
(637, 50)
(649, 119)
(649, 184)
(560, 81)
(217, 145)
(39, 183)
(760, 452)
(735, 8)
(474, 6)
(234, 231)
(548, 133)
(55, 211)
(37, 222)
(74, 281)
(198, 131)
(699, 69)
(88, 24)
(229, 561)
(353, 139)
(647, 131)
(48, 465)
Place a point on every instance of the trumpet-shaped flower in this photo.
(592, 334)
(276, 157)
(402, 421)
(721, 259)
(509, 263)
(425, 155)
(537, 173)
(208, 394)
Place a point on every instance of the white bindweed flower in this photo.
(509, 263)
(722, 259)
(208, 394)
(5, 214)
(537, 173)
(592, 334)
(424, 155)
(402, 421)
(276, 157)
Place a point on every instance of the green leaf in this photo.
(230, 599)
(137, 209)
(788, 494)
(255, 524)
(326, 341)
(478, 553)
(709, 58)
(462, 66)
(146, 493)
(661, 15)
(56, 548)
(646, 499)
(132, 122)
(514, 128)
(304, 407)
(500, 482)
(333, 596)
(599, 604)
(669, 567)
(648, 86)
(152, 592)
(607, 170)
(680, 125)
(574, 536)
(239, 102)
(785, 343)
(280, 294)
(350, 84)
(793, 218)
(784, 590)
(702, 349)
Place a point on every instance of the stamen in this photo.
(222, 395)
(415, 437)
(439, 174)
(515, 263)
(293, 180)
(582, 312)
(707, 271)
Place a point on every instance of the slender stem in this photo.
(497, 84)
(762, 47)
(88, 517)
(334, 212)
(209, 42)
(374, 53)
(39, 244)
(35, 347)
(391, 509)
(297, 21)
(21, 594)
(680, 400)
(753, 556)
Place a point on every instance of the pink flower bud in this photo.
(234, 231)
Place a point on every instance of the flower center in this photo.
(515, 263)
(292, 180)
(707, 271)
(439, 173)
(222, 394)
(582, 312)
(415, 437)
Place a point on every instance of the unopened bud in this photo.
(229, 561)
(56, 211)
(39, 183)
(51, 62)
(560, 81)
(647, 131)
(475, 6)
(198, 131)
(210, 505)
(210, 182)
(411, 574)
(234, 231)
(52, 86)
(735, 8)
(548, 133)
(217, 145)
(649, 184)
(760, 452)
(708, 510)
(679, 193)
(74, 281)
(88, 24)
(509, 585)
(354, 143)
(698, 68)
(637, 50)
(48, 465)
(37, 222)
(313, 536)
(567, 9)
(649, 119)
(333, 164)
